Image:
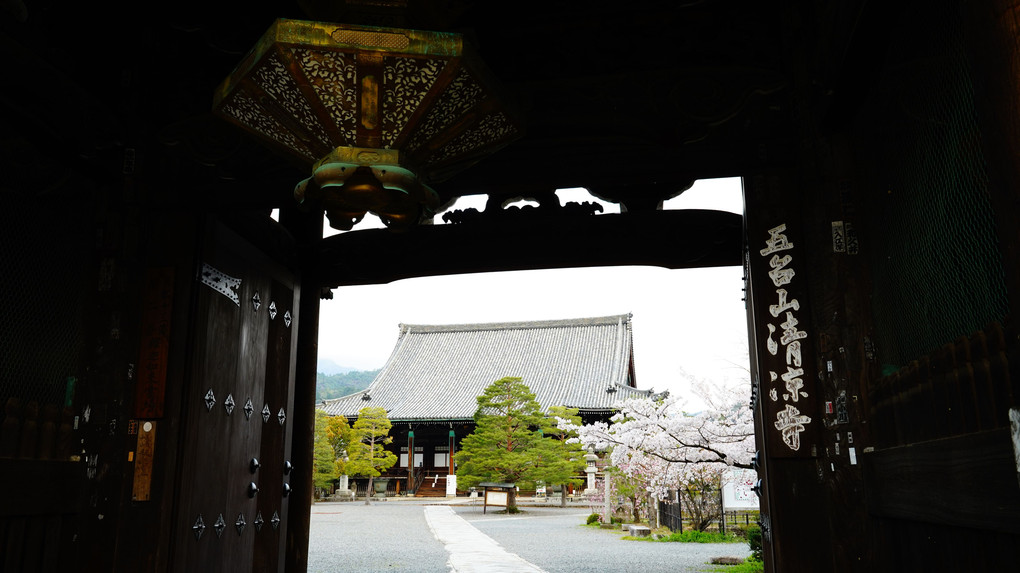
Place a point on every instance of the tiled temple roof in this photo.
(437, 372)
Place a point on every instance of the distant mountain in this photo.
(328, 367)
(337, 385)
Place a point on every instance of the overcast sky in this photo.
(691, 319)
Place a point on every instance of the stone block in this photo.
(639, 530)
(342, 495)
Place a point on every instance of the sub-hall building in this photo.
(430, 384)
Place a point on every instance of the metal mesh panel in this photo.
(937, 270)
(44, 253)
(376, 39)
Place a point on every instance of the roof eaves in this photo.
(431, 420)
(556, 323)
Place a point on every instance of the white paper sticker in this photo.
(838, 237)
(853, 456)
(1014, 425)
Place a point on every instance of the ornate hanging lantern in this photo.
(378, 114)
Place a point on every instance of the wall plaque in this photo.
(145, 445)
(782, 334)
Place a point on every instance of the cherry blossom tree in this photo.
(669, 445)
(700, 496)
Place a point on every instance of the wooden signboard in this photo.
(498, 494)
(781, 331)
(145, 445)
(493, 497)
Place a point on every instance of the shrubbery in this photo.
(754, 542)
(694, 536)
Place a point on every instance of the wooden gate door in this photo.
(232, 482)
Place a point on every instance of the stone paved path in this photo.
(471, 551)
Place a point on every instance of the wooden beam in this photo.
(967, 481)
(670, 239)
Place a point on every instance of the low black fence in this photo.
(671, 516)
(744, 518)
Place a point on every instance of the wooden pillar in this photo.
(410, 462)
(307, 229)
(795, 534)
(453, 444)
(451, 471)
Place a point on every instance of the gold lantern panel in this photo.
(396, 110)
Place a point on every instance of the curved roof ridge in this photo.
(328, 401)
(437, 372)
(554, 323)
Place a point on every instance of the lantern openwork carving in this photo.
(377, 114)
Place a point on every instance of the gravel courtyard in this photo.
(396, 536)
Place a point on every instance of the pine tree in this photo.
(508, 444)
(564, 459)
(367, 454)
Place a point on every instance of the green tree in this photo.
(339, 433)
(324, 469)
(564, 459)
(508, 444)
(367, 453)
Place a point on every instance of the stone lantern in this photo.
(590, 469)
